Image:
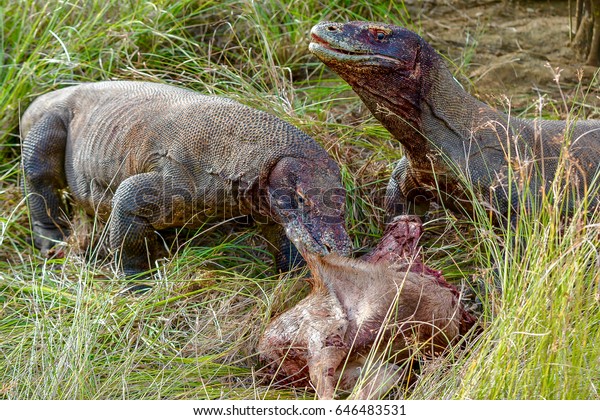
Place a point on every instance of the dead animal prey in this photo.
(358, 305)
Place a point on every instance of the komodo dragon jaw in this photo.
(311, 209)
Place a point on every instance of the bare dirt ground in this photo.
(512, 50)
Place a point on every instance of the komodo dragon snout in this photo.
(309, 207)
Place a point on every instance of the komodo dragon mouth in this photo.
(327, 53)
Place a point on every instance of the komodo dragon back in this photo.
(449, 138)
(154, 157)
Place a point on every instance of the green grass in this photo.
(66, 333)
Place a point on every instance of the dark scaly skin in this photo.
(447, 135)
(154, 157)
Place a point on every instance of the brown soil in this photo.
(512, 50)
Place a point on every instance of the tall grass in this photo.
(541, 308)
(65, 332)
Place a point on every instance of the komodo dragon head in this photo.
(409, 89)
(370, 47)
(307, 198)
(384, 64)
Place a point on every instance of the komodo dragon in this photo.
(154, 157)
(447, 135)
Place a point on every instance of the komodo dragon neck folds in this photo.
(446, 134)
(154, 157)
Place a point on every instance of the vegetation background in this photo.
(66, 333)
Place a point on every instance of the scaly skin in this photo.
(449, 138)
(154, 157)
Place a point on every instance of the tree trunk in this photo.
(594, 54)
(587, 31)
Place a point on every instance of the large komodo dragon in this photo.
(447, 135)
(154, 157)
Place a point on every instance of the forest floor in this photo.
(510, 50)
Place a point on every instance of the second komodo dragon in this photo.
(154, 157)
(449, 138)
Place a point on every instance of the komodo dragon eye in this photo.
(379, 33)
(305, 199)
(300, 197)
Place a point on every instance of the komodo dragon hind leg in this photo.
(44, 179)
(284, 251)
(403, 196)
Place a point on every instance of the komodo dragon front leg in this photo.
(285, 254)
(403, 194)
(142, 205)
